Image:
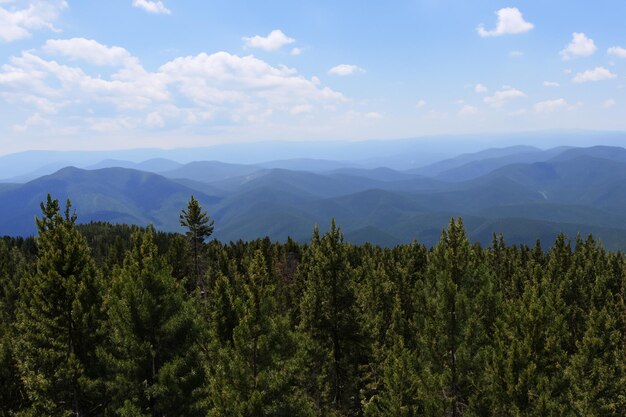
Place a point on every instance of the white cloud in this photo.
(345, 69)
(156, 7)
(468, 110)
(551, 84)
(609, 103)
(580, 46)
(209, 91)
(617, 51)
(420, 104)
(18, 24)
(275, 40)
(510, 21)
(301, 108)
(596, 74)
(500, 98)
(516, 54)
(480, 89)
(88, 50)
(550, 106)
(296, 51)
(129, 88)
(222, 78)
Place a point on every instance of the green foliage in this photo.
(152, 330)
(199, 227)
(328, 321)
(323, 329)
(57, 321)
(259, 373)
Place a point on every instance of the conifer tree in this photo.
(399, 391)
(199, 227)
(376, 294)
(258, 375)
(454, 326)
(598, 369)
(328, 321)
(58, 320)
(151, 353)
(532, 336)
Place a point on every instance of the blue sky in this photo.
(135, 73)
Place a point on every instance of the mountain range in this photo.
(524, 192)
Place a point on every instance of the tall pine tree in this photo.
(151, 354)
(328, 320)
(199, 227)
(58, 320)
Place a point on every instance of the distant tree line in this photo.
(115, 320)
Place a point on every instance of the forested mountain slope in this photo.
(574, 190)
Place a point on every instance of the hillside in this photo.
(115, 195)
(574, 190)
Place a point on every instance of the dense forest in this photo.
(114, 320)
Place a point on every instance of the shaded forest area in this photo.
(113, 320)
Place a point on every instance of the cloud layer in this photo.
(18, 23)
(221, 87)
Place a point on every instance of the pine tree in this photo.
(399, 389)
(531, 343)
(454, 327)
(58, 319)
(151, 353)
(258, 374)
(376, 294)
(199, 228)
(328, 321)
(598, 369)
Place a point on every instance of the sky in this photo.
(115, 74)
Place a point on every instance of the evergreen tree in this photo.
(455, 326)
(532, 337)
(199, 228)
(328, 321)
(399, 389)
(58, 319)
(375, 300)
(151, 353)
(598, 369)
(258, 374)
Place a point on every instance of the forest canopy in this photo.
(116, 320)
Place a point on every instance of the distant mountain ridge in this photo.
(523, 192)
(398, 154)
